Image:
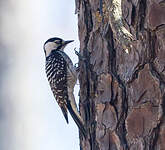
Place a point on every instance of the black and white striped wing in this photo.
(56, 70)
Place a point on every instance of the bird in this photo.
(62, 76)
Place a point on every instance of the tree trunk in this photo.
(122, 95)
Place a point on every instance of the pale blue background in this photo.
(32, 119)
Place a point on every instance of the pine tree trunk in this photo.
(122, 94)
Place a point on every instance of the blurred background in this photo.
(29, 116)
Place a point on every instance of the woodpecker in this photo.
(62, 76)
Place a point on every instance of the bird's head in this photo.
(55, 44)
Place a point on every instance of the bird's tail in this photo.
(77, 120)
(65, 113)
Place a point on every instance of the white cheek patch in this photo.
(49, 47)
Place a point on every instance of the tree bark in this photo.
(122, 95)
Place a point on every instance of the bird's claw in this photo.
(79, 55)
(77, 67)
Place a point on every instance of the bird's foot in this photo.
(77, 67)
(79, 55)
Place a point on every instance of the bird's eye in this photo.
(57, 42)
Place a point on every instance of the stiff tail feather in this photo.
(77, 120)
(65, 113)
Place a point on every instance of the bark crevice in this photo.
(123, 93)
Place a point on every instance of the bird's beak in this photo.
(67, 42)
